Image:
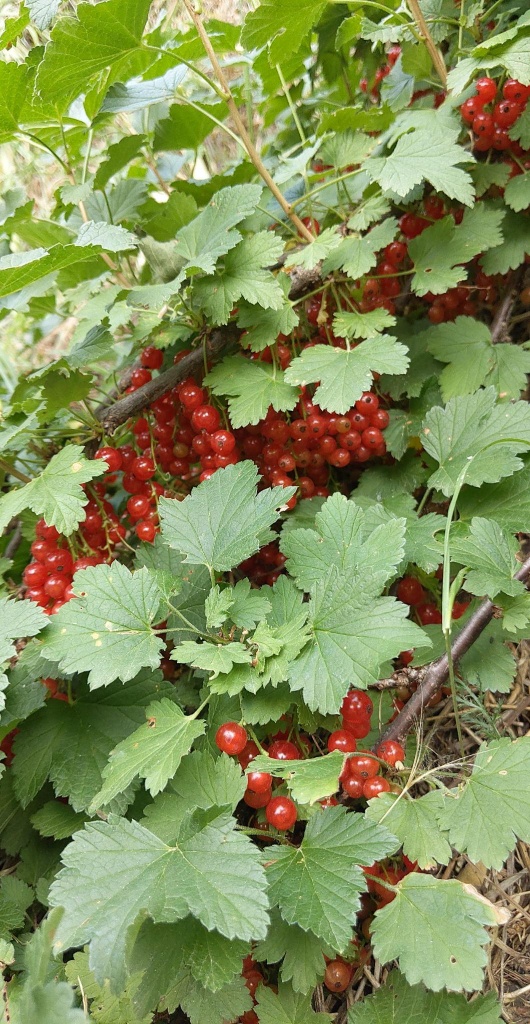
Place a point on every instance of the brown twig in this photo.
(240, 125)
(13, 543)
(500, 321)
(423, 28)
(437, 673)
(113, 413)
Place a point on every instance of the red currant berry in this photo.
(140, 377)
(145, 530)
(483, 124)
(428, 614)
(249, 752)
(35, 574)
(506, 113)
(514, 91)
(205, 417)
(352, 785)
(486, 89)
(152, 358)
(471, 108)
(222, 442)
(281, 813)
(374, 787)
(395, 253)
(257, 800)
(259, 782)
(143, 468)
(364, 766)
(284, 750)
(343, 741)
(112, 456)
(338, 976)
(138, 506)
(410, 591)
(55, 585)
(231, 738)
(390, 751)
(356, 704)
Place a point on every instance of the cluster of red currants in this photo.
(48, 579)
(280, 811)
(361, 776)
(393, 54)
(490, 126)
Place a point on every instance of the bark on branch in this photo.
(112, 415)
(437, 673)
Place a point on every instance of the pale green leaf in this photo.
(301, 953)
(224, 520)
(415, 825)
(343, 375)
(56, 494)
(489, 555)
(473, 360)
(217, 606)
(107, 630)
(212, 657)
(473, 431)
(138, 873)
(249, 606)
(262, 326)
(283, 27)
(511, 253)
(213, 232)
(507, 502)
(435, 930)
(354, 324)
(286, 1007)
(517, 192)
(487, 813)
(251, 387)
(317, 885)
(110, 237)
(308, 780)
(440, 253)
(396, 1002)
(421, 155)
(356, 255)
(243, 274)
(311, 254)
(58, 820)
(153, 752)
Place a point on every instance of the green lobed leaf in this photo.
(56, 494)
(474, 431)
(154, 751)
(415, 824)
(137, 873)
(356, 255)
(511, 253)
(343, 375)
(224, 520)
(317, 886)
(487, 813)
(286, 1007)
(435, 930)
(308, 780)
(251, 388)
(419, 156)
(489, 555)
(397, 1002)
(107, 630)
(440, 253)
(301, 953)
(466, 345)
(243, 274)
(282, 27)
(212, 233)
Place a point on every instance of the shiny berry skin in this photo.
(140, 377)
(374, 787)
(231, 738)
(338, 976)
(343, 741)
(434, 207)
(145, 530)
(143, 468)
(311, 224)
(352, 786)
(364, 766)
(40, 549)
(390, 751)
(249, 752)
(85, 562)
(55, 585)
(428, 614)
(380, 419)
(259, 782)
(470, 109)
(46, 532)
(367, 404)
(222, 442)
(152, 358)
(205, 417)
(191, 395)
(38, 596)
(284, 750)
(59, 561)
(395, 253)
(257, 800)
(281, 813)
(372, 438)
(138, 506)
(35, 574)
(483, 124)
(514, 91)
(356, 704)
(112, 456)
(410, 591)
(506, 113)
(486, 89)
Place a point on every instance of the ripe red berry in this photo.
(395, 253)
(138, 506)
(112, 456)
(35, 574)
(364, 766)
(55, 585)
(343, 741)
(352, 785)
(145, 530)
(470, 108)
(231, 738)
(152, 358)
(483, 124)
(222, 442)
(140, 377)
(284, 750)
(410, 591)
(390, 751)
(338, 976)
(205, 417)
(486, 89)
(356, 704)
(281, 813)
(257, 800)
(514, 91)
(374, 787)
(428, 614)
(259, 782)
(143, 468)
(506, 113)
(59, 560)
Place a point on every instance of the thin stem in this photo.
(243, 133)
(292, 108)
(14, 472)
(436, 56)
(86, 161)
